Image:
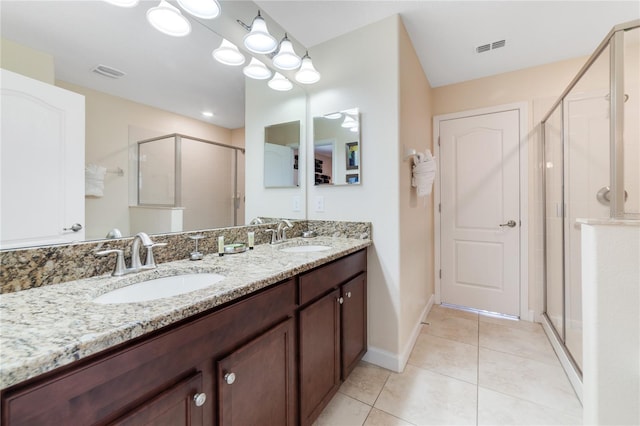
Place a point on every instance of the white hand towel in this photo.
(94, 180)
(424, 172)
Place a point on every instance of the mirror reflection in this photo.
(281, 151)
(336, 148)
(167, 92)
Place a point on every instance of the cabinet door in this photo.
(179, 405)
(319, 355)
(354, 323)
(257, 383)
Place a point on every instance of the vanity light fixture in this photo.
(259, 40)
(205, 9)
(280, 83)
(333, 115)
(167, 19)
(307, 74)
(123, 3)
(256, 70)
(286, 58)
(208, 114)
(228, 54)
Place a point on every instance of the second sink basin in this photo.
(305, 248)
(159, 288)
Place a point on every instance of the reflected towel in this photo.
(424, 172)
(94, 180)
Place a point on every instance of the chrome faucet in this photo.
(149, 263)
(281, 233)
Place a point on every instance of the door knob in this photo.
(75, 227)
(510, 224)
(200, 399)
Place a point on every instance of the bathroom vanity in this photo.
(270, 346)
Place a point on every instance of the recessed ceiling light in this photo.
(207, 113)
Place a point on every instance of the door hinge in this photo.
(438, 140)
(440, 273)
(439, 208)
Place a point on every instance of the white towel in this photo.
(94, 180)
(424, 172)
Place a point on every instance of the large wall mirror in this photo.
(168, 84)
(336, 148)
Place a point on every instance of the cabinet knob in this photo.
(200, 399)
(340, 300)
(349, 295)
(230, 378)
(75, 228)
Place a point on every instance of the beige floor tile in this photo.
(427, 398)
(527, 379)
(522, 325)
(438, 311)
(448, 357)
(532, 344)
(498, 409)
(365, 382)
(380, 418)
(343, 411)
(453, 328)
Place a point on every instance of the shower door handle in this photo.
(510, 224)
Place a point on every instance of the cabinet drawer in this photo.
(320, 280)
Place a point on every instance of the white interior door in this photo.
(480, 212)
(278, 165)
(42, 163)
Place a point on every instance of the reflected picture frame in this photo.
(352, 156)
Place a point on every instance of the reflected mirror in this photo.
(336, 148)
(167, 86)
(281, 149)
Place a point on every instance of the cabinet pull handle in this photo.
(230, 378)
(75, 228)
(199, 399)
(349, 294)
(340, 300)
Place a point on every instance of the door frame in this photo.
(522, 108)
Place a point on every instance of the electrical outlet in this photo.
(319, 203)
(296, 203)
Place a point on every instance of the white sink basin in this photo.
(159, 288)
(305, 249)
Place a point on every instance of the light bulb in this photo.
(205, 9)
(228, 54)
(286, 58)
(259, 40)
(307, 74)
(280, 83)
(168, 20)
(256, 70)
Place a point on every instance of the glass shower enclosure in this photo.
(591, 161)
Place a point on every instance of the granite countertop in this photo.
(47, 327)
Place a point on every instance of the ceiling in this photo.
(445, 34)
(180, 75)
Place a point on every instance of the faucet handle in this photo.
(274, 235)
(120, 267)
(149, 262)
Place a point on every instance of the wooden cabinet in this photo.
(257, 383)
(276, 357)
(332, 330)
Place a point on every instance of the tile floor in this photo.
(465, 369)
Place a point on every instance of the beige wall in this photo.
(539, 87)
(416, 214)
(26, 61)
(109, 122)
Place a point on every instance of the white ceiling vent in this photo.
(491, 46)
(108, 71)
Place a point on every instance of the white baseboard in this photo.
(397, 362)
